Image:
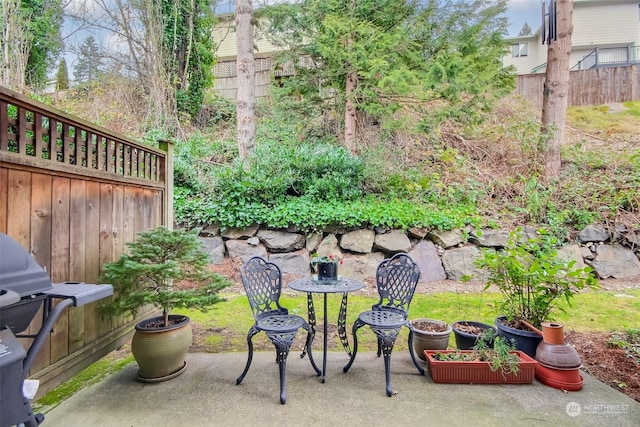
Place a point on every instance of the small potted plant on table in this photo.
(532, 281)
(326, 267)
(166, 269)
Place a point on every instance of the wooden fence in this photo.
(73, 194)
(588, 87)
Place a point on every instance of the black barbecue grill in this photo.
(24, 288)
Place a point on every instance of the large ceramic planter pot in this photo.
(468, 332)
(527, 341)
(477, 372)
(429, 334)
(160, 351)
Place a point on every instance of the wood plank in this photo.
(77, 252)
(4, 188)
(21, 133)
(106, 239)
(92, 257)
(66, 144)
(72, 171)
(41, 185)
(19, 207)
(100, 157)
(4, 125)
(60, 222)
(39, 142)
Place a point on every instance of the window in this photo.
(519, 49)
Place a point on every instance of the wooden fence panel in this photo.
(73, 194)
(587, 87)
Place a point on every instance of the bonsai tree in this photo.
(165, 268)
(531, 277)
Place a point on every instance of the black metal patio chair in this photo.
(396, 280)
(262, 281)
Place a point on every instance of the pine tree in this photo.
(525, 31)
(89, 65)
(62, 76)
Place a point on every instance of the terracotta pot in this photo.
(552, 333)
(477, 372)
(563, 379)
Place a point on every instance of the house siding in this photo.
(596, 23)
(605, 25)
(224, 36)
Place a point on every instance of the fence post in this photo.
(167, 146)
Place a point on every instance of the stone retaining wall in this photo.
(440, 254)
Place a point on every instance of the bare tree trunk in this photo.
(350, 112)
(556, 88)
(245, 65)
(15, 41)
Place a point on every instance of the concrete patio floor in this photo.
(206, 395)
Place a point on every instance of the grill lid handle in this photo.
(8, 297)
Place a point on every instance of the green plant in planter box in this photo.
(531, 277)
(164, 268)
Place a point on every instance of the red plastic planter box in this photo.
(459, 372)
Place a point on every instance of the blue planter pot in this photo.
(526, 341)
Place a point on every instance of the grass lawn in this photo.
(591, 311)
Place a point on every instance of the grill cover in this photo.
(19, 272)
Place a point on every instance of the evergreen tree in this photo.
(62, 76)
(89, 65)
(525, 31)
(437, 60)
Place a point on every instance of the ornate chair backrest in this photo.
(262, 281)
(396, 280)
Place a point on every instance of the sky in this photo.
(518, 12)
(521, 11)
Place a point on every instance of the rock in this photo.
(572, 253)
(392, 242)
(426, 256)
(418, 233)
(446, 239)
(615, 261)
(313, 240)
(490, 238)
(586, 253)
(210, 231)
(240, 233)
(360, 241)
(281, 241)
(297, 263)
(214, 246)
(360, 267)
(458, 262)
(594, 233)
(241, 249)
(253, 241)
(329, 246)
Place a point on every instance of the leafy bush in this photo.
(531, 277)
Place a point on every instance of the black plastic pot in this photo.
(526, 341)
(465, 340)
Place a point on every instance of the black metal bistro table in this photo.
(310, 285)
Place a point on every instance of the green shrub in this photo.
(531, 277)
